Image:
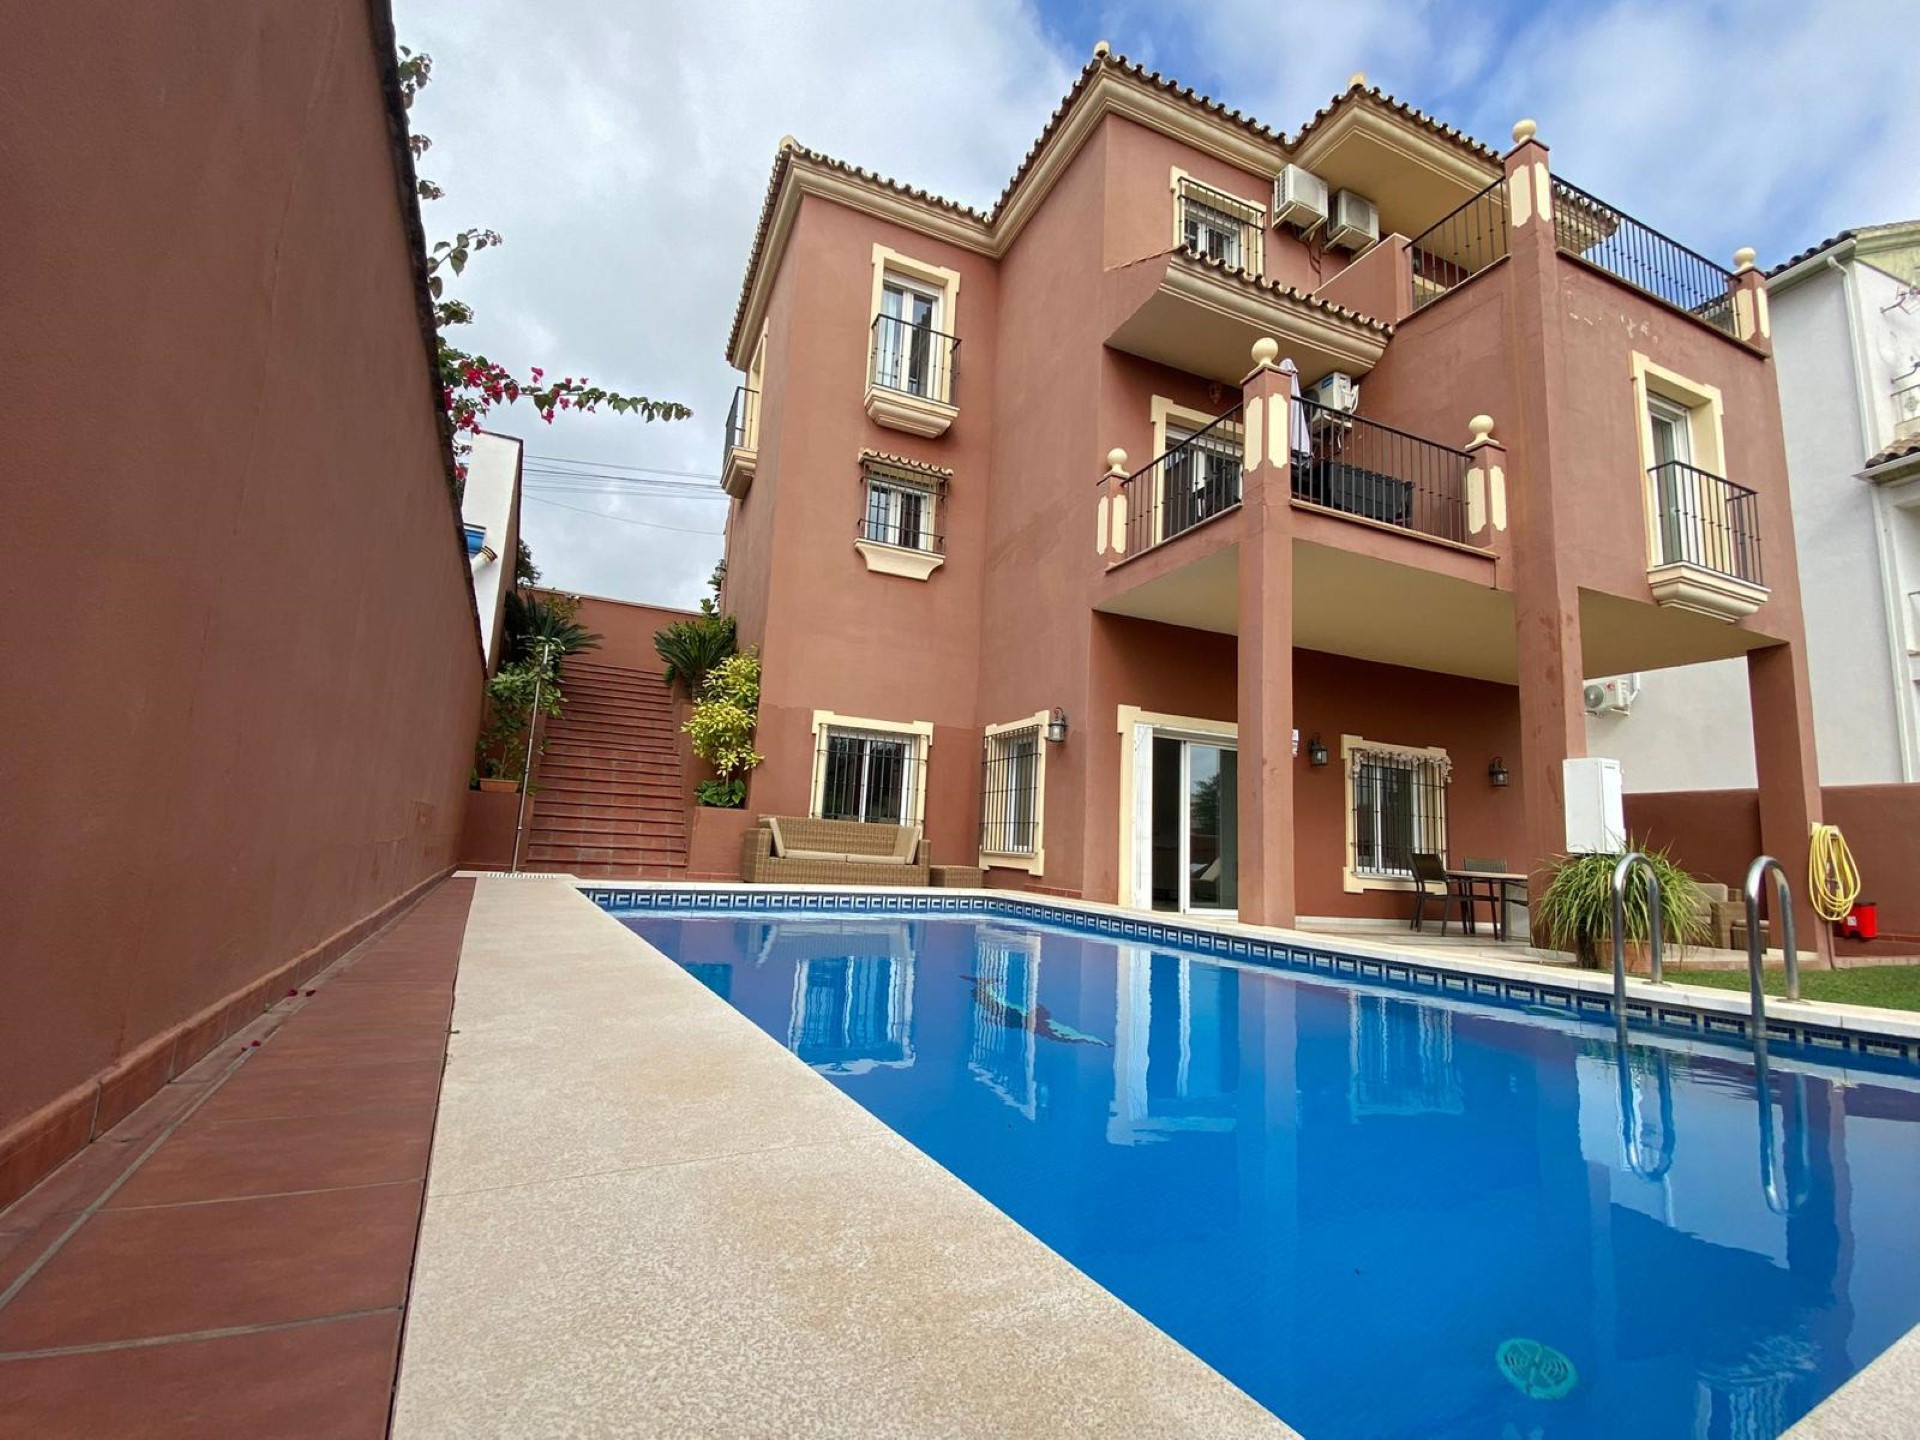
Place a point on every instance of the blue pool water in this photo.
(1379, 1215)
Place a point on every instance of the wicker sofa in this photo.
(798, 850)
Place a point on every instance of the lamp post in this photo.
(526, 765)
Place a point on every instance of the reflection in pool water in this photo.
(1373, 1211)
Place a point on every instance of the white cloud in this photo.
(624, 158)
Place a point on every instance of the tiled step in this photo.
(640, 810)
(660, 827)
(571, 855)
(637, 753)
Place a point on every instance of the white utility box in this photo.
(1596, 806)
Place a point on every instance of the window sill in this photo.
(1003, 860)
(1355, 884)
(1685, 586)
(915, 414)
(736, 477)
(897, 560)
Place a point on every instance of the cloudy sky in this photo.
(622, 150)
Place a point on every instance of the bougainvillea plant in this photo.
(471, 385)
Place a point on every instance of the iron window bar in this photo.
(913, 359)
(1193, 481)
(1703, 520)
(1376, 472)
(1605, 236)
(901, 513)
(1009, 788)
(1399, 810)
(1460, 245)
(870, 775)
(1209, 216)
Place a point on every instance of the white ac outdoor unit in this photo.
(1336, 391)
(1615, 695)
(1299, 198)
(1353, 223)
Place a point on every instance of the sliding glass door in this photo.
(1195, 825)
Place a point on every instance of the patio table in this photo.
(1494, 885)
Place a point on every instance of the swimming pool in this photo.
(1381, 1214)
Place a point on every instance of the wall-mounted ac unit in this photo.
(1337, 391)
(1614, 695)
(1299, 198)
(1353, 222)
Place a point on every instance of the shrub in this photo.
(1576, 913)
(693, 647)
(721, 727)
(501, 751)
(534, 625)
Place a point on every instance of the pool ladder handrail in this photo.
(1757, 945)
(1621, 873)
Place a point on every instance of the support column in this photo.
(1265, 695)
(1751, 321)
(1789, 775)
(1546, 602)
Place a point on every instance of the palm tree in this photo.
(536, 627)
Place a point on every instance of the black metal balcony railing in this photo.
(743, 419)
(1376, 472)
(1195, 480)
(1460, 246)
(1222, 227)
(913, 359)
(1608, 237)
(1703, 520)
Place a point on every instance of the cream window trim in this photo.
(912, 562)
(1252, 236)
(920, 730)
(1706, 432)
(1189, 726)
(1351, 881)
(1035, 863)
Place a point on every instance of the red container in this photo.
(1862, 922)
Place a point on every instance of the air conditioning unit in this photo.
(1337, 391)
(1299, 198)
(1353, 223)
(1615, 695)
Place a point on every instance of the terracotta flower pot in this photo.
(500, 787)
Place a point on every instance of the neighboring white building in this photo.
(490, 510)
(1846, 344)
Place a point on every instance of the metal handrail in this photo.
(1655, 925)
(1632, 1132)
(1795, 1115)
(1756, 944)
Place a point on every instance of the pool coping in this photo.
(1887, 1387)
(1878, 1042)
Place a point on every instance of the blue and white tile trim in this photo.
(1843, 1035)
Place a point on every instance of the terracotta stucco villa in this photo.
(995, 472)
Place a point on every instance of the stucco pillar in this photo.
(1110, 532)
(1265, 695)
(1789, 776)
(1546, 603)
(1748, 288)
(1487, 512)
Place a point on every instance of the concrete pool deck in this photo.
(646, 1217)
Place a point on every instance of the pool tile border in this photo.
(1863, 1038)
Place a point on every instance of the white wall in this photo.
(492, 500)
(1692, 727)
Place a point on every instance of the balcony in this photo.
(1611, 240)
(1343, 466)
(741, 452)
(1706, 543)
(910, 377)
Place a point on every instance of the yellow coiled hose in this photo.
(1833, 881)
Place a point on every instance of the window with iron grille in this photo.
(871, 775)
(1010, 823)
(1399, 808)
(1220, 226)
(901, 513)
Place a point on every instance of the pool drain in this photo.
(1537, 1371)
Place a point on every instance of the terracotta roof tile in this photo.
(1286, 292)
(1904, 448)
(903, 462)
(1374, 93)
(1810, 252)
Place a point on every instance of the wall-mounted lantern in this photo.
(1057, 727)
(1497, 773)
(1316, 751)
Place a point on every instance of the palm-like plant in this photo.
(693, 647)
(537, 627)
(1576, 913)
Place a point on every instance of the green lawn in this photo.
(1895, 986)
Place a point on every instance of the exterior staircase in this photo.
(608, 799)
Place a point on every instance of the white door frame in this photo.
(1137, 809)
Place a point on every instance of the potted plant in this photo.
(1576, 913)
(517, 692)
(721, 728)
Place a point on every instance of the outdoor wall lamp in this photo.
(1497, 773)
(1057, 727)
(1316, 751)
